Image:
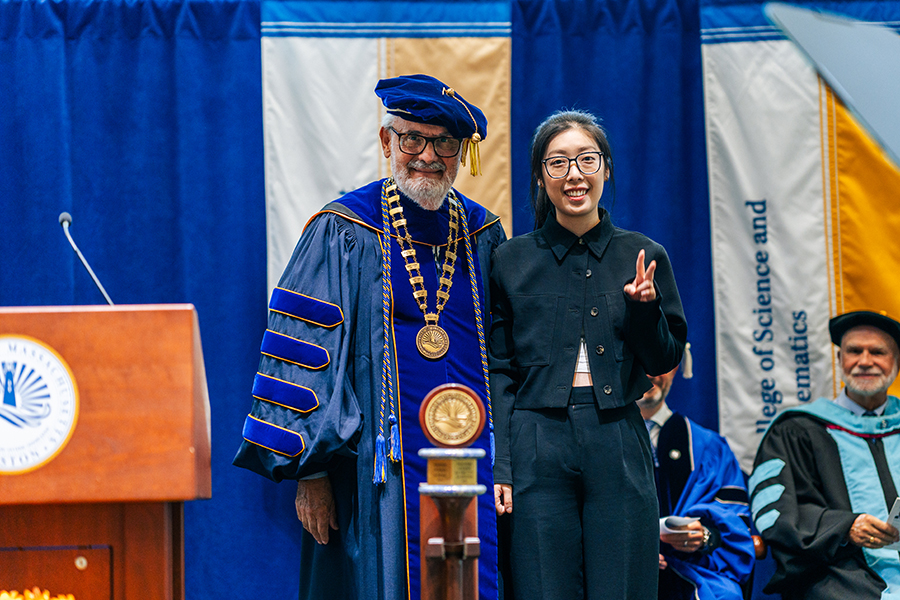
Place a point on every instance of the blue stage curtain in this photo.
(143, 119)
(636, 65)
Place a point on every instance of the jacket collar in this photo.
(561, 239)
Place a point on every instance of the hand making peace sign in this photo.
(642, 288)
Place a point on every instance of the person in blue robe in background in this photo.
(347, 357)
(825, 476)
(697, 477)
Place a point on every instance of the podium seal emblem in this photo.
(38, 404)
(452, 415)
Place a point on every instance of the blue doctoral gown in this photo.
(699, 476)
(318, 401)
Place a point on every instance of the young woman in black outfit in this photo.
(582, 312)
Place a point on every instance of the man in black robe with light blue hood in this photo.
(382, 301)
(825, 476)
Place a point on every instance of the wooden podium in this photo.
(102, 518)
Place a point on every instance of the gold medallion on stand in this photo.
(452, 415)
(432, 341)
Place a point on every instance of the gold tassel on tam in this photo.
(475, 167)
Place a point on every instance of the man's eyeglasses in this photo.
(588, 163)
(414, 143)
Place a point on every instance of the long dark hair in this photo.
(552, 126)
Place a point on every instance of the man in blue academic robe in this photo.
(698, 480)
(362, 325)
(825, 476)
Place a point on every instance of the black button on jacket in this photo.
(548, 289)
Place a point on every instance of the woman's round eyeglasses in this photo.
(588, 163)
(414, 143)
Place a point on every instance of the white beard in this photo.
(427, 193)
(869, 388)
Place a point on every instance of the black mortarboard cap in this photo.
(841, 324)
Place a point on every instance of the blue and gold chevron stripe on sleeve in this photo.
(284, 393)
(306, 308)
(274, 438)
(283, 347)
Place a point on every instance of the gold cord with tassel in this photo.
(475, 167)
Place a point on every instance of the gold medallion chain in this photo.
(432, 341)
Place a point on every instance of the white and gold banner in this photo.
(321, 115)
(804, 211)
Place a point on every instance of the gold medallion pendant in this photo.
(432, 341)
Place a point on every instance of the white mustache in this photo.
(421, 165)
(867, 372)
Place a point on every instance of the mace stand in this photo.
(449, 556)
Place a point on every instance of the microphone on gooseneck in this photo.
(65, 219)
